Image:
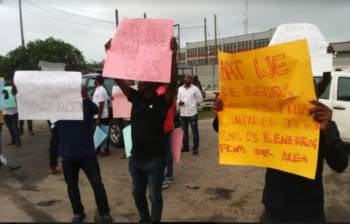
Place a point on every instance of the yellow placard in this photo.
(265, 121)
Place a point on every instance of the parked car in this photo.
(337, 97)
(116, 125)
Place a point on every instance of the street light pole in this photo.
(20, 18)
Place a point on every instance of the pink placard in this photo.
(141, 50)
(121, 106)
(176, 144)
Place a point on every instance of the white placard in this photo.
(49, 95)
(320, 60)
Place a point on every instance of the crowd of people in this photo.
(286, 197)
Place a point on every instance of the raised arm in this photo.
(171, 89)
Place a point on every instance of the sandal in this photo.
(123, 157)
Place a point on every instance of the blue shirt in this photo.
(76, 138)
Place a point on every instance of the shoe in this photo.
(11, 143)
(0, 163)
(31, 133)
(105, 153)
(185, 150)
(18, 144)
(169, 179)
(165, 184)
(52, 170)
(79, 217)
(98, 152)
(123, 157)
(107, 218)
(195, 151)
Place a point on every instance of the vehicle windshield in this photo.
(325, 95)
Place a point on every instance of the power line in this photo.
(63, 16)
(77, 9)
(60, 19)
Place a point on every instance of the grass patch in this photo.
(205, 115)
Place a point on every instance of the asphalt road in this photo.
(225, 194)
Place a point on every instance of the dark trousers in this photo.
(104, 121)
(12, 124)
(30, 125)
(151, 172)
(266, 217)
(193, 121)
(170, 159)
(54, 144)
(89, 164)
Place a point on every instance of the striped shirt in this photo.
(191, 97)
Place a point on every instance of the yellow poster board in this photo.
(265, 121)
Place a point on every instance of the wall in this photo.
(205, 74)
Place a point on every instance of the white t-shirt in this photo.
(101, 95)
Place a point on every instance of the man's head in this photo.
(188, 80)
(130, 82)
(99, 80)
(148, 87)
(195, 78)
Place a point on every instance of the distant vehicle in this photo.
(116, 125)
(337, 97)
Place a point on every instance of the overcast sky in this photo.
(331, 16)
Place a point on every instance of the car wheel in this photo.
(116, 133)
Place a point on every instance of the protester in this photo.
(188, 98)
(168, 131)
(76, 145)
(196, 82)
(11, 120)
(292, 198)
(148, 159)
(30, 127)
(6, 96)
(101, 99)
(53, 146)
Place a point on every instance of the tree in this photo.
(51, 50)
(94, 64)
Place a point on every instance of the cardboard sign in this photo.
(127, 140)
(176, 144)
(120, 104)
(49, 95)
(11, 101)
(141, 51)
(266, 94)
(320, 60)
(101, 135)
(2, 85)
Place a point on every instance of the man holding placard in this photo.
(148, 114)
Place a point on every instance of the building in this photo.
(342, 59)
(195, 53)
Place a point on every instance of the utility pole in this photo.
(144, 15)
(20, 18)
(205, 37)
(246, 19)
(116, 17)
(178, 31)
(216, 42)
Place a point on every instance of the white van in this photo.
(337, 97)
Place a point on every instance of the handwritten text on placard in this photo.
(266, 95)
(49, 95)
(141, 50)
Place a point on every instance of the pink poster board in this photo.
(120, 104)
(141, 50)
(176, 144)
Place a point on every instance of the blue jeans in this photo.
(193, 121)
(89, 164)
(167, 144)
(151, 172)
(30, 125)
(12, 124)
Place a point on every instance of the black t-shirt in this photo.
(147, 124)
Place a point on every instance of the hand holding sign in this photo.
(322, 114)
(217, 104)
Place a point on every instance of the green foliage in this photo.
(94, 64)
(51, 50)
